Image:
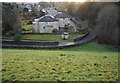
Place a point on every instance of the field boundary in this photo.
(49, 44)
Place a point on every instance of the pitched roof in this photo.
(49, 9)
(61, 15)
(47, 18)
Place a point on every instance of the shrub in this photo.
(17, 38)
(23, 29)
(29, 22)
(55, 31)
(82, 31)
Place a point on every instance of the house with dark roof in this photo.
(63, 19)
(49, 11)
(49, 23)
(45, 24)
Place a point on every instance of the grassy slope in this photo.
(50, 37)
(87, 62)
(28, 27)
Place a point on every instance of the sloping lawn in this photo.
(50, 37)
(28, 27)
(83, 63)
(47, 37)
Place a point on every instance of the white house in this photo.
(45, 24)
(52, 11)
(48, 23)
(49, 11)
(63, 19)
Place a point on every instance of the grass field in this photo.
(50, 37)
(47, 37)
(83, 63)
(28, 27)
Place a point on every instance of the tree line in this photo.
(102, 17)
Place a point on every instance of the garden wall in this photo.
(37, 43)
(47, 44)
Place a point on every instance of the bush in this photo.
(82, 31)
(17, 38)
(23, 29)
(55, 31)
(29, 22)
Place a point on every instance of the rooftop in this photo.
(61, 15)
(47, 18)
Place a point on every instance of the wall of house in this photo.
(47, 27)
(35, 26)
(63, 21)
(41, 29)
(56, 25)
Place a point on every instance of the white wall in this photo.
(63, 21)
(56, 25)
(35, 27)
(39, 28)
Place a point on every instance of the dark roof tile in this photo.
(47, 18)
(61, 15)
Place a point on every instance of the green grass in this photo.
(94, 47)
(83, 63)
(50, 37)
(28, 27)
(47, 37)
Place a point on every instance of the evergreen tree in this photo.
(10, 18)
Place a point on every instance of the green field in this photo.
(50, 37)
(83, 63)
(28, 27)
(47, 37)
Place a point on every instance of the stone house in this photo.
(45, 24)
(48, 23)
(63, 19)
